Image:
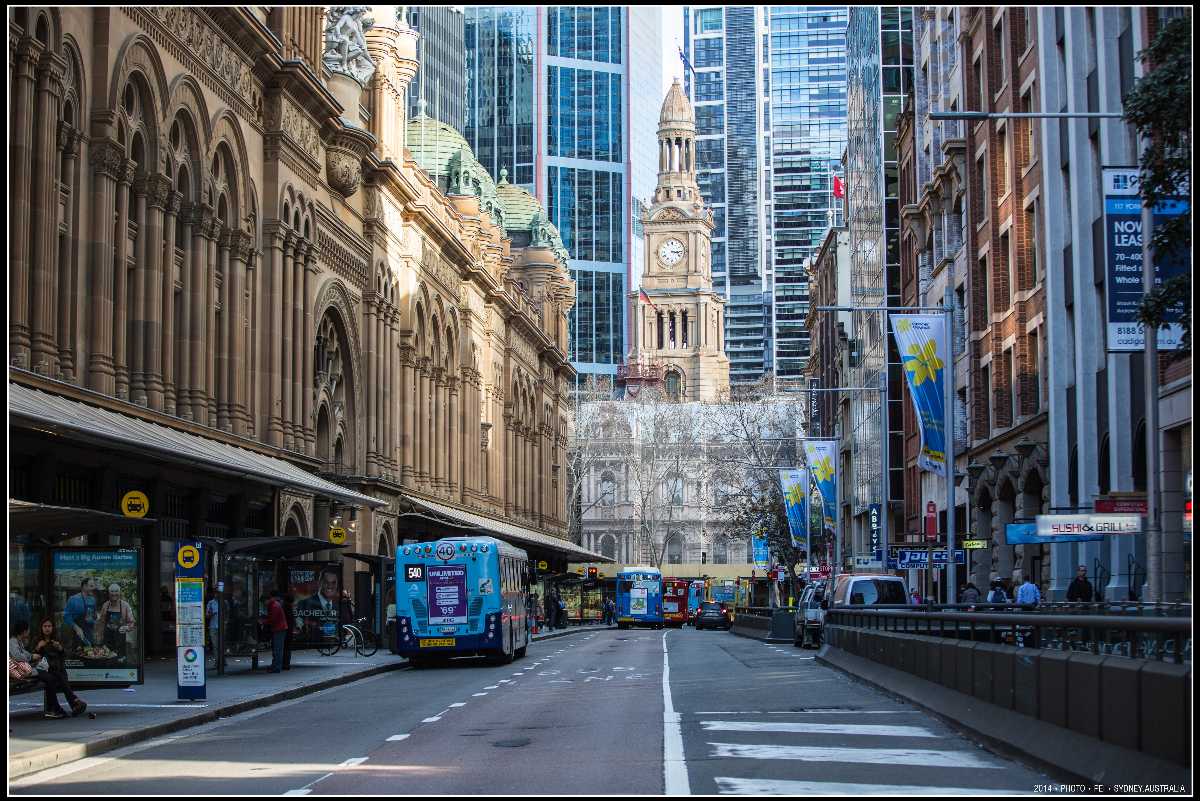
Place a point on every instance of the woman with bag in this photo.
(23, 664)
(53, 653)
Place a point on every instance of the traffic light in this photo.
(592, 572)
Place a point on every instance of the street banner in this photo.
(1123, 261)
(795, 495)
(1026, 534)
(921, 340)
(762, 558)
(821, 455)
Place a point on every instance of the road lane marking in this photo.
(301, 791)
(478, 695)
(395, 738)
(877, 756)
(732, 786)
(457, 704)
(353, 762)
(492, 687)
(433, 719)
(817, 728)
(675, 776)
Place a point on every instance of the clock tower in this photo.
(678, 319)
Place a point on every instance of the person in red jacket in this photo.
(278, 626)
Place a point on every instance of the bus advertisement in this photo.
(639, 598)
(675, 601)
(461, 596)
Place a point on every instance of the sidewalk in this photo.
(151, 710)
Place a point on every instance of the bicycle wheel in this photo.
(369, 643)
(351, 638)
(330, 647)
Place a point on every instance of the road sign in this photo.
(337, 535)
(188, 557)
(135, 504)
(543, 565)
(975, 545)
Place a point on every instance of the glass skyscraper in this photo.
(726, 82)
(554, 96)
(441, 78)
(807, 113)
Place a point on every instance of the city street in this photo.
(580, 714)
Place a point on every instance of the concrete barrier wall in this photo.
(1133, 703)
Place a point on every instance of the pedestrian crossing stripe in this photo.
(861, 756)
(817, 728)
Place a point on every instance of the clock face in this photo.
(670, 252)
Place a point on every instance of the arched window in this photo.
(608, 546)
(608, 489)
(721, 553)
(675, 490)
(675, 549)
(674, 386)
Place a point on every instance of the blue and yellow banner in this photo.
(762, 556)
(921, 340)
(821, 455)
(794, 481)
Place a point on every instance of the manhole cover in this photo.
(516, 742)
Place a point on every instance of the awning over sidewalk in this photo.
(30, 406)
(508, 532)
(55, 523)
(275, 547)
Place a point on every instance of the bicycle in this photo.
(352, 635)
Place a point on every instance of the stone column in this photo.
(167, 347)
(395, 394)
(106, 160)
(197, 302)
(507, 460)
(21, 199)
(308, 341)
(212, 335)
(371, 316)
(183, 370)
(299, 304)
(225, 335)
(284, 344)
(425, 422)
(455, 458)
(68, 156)
(239, 248)
(275, 236)
(407, 414)
(121, 314)
(157, 267)
(135, 320)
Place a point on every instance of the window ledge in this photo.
(1028, 168)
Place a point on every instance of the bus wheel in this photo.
(520, 654)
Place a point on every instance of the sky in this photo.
(672, 41)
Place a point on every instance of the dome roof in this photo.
(676, 110)
(519, 206)
(433, 143)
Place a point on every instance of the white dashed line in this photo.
(395, 738)
(478, 695)
(352, 762)
(492, 687)
(458, 704)
(434, 719)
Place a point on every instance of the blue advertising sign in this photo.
(873, 514)
(1026, 534)
(920, 559)
(921, 340)
(1123, 261)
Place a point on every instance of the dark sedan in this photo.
(714, 616)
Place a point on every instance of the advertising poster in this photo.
(921, 340)
(26, 599)
(637, 601)
(1123, 261)
(795, 495)
(447, 594)
(762, 557)
(593, 603)
(821, 456)
(317, 590)
(99, 620)
(572, 597)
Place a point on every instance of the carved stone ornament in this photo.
(343, 159)
(345, 45)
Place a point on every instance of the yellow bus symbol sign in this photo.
(337, 535)
(189, 556)
(135, 504)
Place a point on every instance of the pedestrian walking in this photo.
(551, 610)
(276, 624)
(997, 595)
(289, 614)
(970, 594)
(1081, 588)
(1028, 593)
(562, 612)
(916, 598)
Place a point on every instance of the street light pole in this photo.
(1154, 536)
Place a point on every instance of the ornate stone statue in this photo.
(345, 45)
(539, 232)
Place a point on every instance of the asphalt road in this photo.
(584, 714)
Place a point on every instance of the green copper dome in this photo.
(433, 143)
(519, 206)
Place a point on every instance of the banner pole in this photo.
(948, 373)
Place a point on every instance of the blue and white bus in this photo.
(461, 596)
(639, 597)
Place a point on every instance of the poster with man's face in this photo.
(317, 589)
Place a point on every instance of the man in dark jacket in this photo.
(277, 625)
(1081, 588)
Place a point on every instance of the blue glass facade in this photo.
(726, 53)
(808, 135)
(570, 143)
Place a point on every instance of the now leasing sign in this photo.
(1070, 525)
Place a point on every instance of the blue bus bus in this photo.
(696, 596)
(639, 598)
(461, 596)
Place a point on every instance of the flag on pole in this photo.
(643, 296)
(839, 188)
(683, 57)
(921, 340)
(821, 455)
(795, 495)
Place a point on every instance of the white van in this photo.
(857, 589)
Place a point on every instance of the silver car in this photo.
(810, 616)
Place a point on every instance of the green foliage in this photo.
(1160, 107)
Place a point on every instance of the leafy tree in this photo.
(1160, 107)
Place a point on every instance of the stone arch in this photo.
(76, 87)
(140, 55)
(227, 134)
(387, 540)
(674, 384)
(608, 546)
(335, 315)
(295, 522)
(47, 27)
(187, 97)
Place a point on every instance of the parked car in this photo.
(713, 616)
(810, 616)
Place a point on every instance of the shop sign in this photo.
(867, 563)
(975, 545)
(135, 504)
(337, 535)
(875, 524)
(919, 559)
(1027, 534)
(1057, 525)
(1132, 505)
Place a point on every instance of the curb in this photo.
(53, 756)
(1066, 755)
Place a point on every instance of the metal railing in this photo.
(1137, 636)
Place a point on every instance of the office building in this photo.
(441, 75)
(560, 99)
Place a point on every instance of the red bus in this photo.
(675, 601)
